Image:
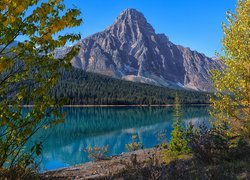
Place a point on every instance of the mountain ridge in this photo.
(130, 49)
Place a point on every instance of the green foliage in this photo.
(28, 70)
(178, 145)
(19, 172)
(231, 105)
(79, 87)
(97, 153)
(210, 146)
(135, 144)
(228, 139)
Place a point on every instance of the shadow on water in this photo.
(113, 126)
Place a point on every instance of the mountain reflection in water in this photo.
(64, 144)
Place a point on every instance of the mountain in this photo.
(130, 49)
(13, 44)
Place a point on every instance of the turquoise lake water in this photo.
(64, 144)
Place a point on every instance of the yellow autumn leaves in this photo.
(5, 63)
(28, 71)
(231, 106)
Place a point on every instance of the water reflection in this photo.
(113, 126)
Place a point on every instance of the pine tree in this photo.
(178, 144)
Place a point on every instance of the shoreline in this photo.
(149, 164)
(143, 105)
(121, 105)
(102, 169)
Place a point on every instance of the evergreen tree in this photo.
(179, 143)
(80, 87)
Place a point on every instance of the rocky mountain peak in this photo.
(131, 50)
(132, 20)
(131, 15)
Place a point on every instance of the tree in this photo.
(28, 71)
(231, 104)
(178, 145)
(178, 141)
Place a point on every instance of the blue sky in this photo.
(191, 23)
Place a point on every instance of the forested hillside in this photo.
(81, 88)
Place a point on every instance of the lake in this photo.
(64, 144)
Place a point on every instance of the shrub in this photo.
(19, 172)
(208, 145)
(97, 153)
(135, 144)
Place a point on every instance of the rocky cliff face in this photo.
(131, 50)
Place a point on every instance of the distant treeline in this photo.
(78, 87)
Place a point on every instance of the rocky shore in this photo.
(106, 168)
(148, 164)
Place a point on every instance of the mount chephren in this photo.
(131, 50)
